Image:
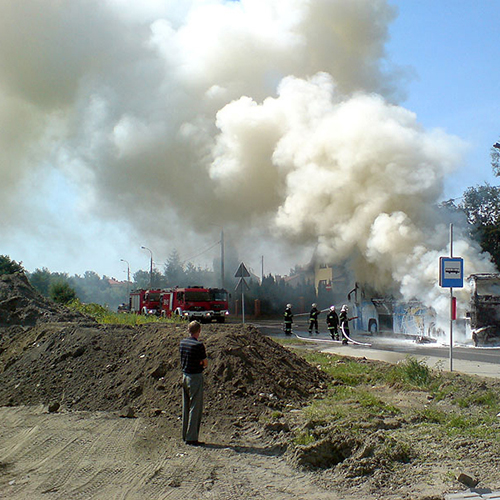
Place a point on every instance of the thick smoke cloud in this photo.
(275, 119)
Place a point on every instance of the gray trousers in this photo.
(192, 405)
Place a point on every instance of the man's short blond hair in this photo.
(194, 327)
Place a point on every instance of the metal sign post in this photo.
(451, 275)
(242, 273)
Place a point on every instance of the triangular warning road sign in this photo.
(242, 272)
(242, 285)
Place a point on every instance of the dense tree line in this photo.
(272, 293)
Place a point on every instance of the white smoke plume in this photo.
(276, 119)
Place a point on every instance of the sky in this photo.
(293, 126)
(452, 48)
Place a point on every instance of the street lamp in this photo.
(128, 276)
(150, 268)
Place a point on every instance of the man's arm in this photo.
(204, 361)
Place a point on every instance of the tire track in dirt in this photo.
(101, 456)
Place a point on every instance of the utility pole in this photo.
(451, 303)
(222, 257)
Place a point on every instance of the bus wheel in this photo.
(372, 327)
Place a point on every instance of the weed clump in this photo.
(411, 373)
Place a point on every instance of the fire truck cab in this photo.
(195, 302)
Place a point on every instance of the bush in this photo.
(61, 292)
(9, 266)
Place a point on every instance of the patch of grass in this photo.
(290, 341)
(325, 411)
(361, 394)
(345, 370)
(375, 405)
(349, 405)
(412, 372)
(103, 315)
(488, 398)
(396, 451)
(432, 416)
(304, 438)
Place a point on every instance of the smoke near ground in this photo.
(277, 120)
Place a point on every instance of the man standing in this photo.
(344, 323)
(332, 321)
(193, 362)
(288, 319)
(313, 319)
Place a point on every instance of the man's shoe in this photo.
(195, 443)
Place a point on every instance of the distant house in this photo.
(331, 281)
(113, 282)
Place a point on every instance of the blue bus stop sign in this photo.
(451, 272)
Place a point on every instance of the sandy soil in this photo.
(99, 455)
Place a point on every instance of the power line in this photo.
(202, 252)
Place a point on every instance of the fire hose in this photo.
(355, 342)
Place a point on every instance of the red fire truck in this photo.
(196, 302)
(145, 301)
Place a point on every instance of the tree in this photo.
(482, 207)
(174, 271)
(9, 266)
(40, 279)
(61, 292)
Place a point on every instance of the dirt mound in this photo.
(105, 367)
(21, 304)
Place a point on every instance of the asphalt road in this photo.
(484, 361)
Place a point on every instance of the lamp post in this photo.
(128, 276)
(150, 268)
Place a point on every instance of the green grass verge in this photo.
(456, 406)
(104, 316)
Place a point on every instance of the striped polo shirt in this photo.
(192, 354)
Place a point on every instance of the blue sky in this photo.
(453, 47)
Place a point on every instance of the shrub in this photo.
(61, 292)
(9, 266)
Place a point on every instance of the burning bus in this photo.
(413, 319)
(409, 318)
(484, 313)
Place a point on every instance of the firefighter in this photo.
(313, 319)
(332, 321)
(288, 319)
(344, 323)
